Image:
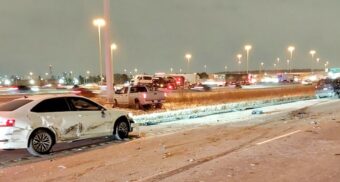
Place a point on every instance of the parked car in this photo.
(328, 88)
(139, 97)
(82, 91)
(142, 80)
(164, 82)
(38, 122)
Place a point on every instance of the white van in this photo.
(142, 80)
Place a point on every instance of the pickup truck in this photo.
(139, 97)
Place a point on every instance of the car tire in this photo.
(40, 143)
(121, 130)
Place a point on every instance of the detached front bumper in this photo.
(13, 138)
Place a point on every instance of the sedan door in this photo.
(96, 121)
(55, 113)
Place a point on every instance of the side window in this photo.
(81, 104)
(133, 90)
(142, 89)
(52, 105)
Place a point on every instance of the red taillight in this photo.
(8, 123)
(170, 87)
(144, 95)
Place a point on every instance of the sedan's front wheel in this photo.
(40, 142)
(121, 130)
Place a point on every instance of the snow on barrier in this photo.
(169, 116)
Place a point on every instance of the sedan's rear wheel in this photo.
(121, 130)
(40, 142)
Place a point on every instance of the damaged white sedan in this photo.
(38, 122)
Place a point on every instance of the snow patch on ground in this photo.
(202, 111)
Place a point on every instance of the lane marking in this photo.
(278, 137)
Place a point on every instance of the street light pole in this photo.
(261, 67)
(291, 49)
(188, 57)
(288, 65)
(312, 52)
(247, 48)
(100, 23)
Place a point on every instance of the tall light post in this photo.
(326, 65)
(188, 57)
(261, 67)
(225, 68)
(99, 22)
(275, 68)
(87, 76)
(278, 63)
(247, 48)
(180, 70)
(113, 48)
(205, 68)
(239, 67)
(312, 52)
(171, 69)
(288, 61)
(317, 62)
(291, 49)
(239, 56)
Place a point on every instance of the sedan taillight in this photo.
(7, 123)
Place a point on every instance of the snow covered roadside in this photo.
(202, 111)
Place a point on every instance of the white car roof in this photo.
(43, 97)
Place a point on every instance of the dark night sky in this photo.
(154, 35)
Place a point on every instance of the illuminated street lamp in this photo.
(188, 57)
(113, 48)
(171, 69)
(205, 68)
(100, 23)
(278, 63)
(317, 62)
(87, 76)
(180, 70)
(326, 65)
(225, 68)
(247, 48)
(312, 52)
(275, 67)
(261, 67)
(239, 67)
(291, 50)
(288, 65)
